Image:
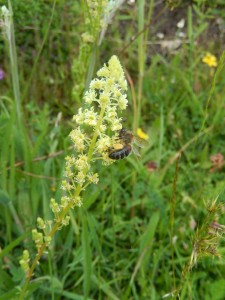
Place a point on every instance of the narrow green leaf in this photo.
(87, 256)
(13, 244)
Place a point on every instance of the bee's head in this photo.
(122, 131)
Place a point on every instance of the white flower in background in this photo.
(181, 24)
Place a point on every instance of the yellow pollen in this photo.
(117, 146)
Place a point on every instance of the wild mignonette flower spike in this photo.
(105, 98)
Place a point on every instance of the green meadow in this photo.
(75, 224)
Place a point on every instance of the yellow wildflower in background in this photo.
(210, 60)
(142, 134)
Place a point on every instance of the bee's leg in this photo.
(118, 139)
(110, 149)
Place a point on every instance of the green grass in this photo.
(120, 244)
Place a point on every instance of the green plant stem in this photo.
(14, 64)
(94, 138)
(215, 78)
(142, 42)
(172, 210)
(16, 93)
(91, 61)
(141, 58)
(58, 223)
(191, 44)
(39, 52)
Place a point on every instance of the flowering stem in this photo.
(108, 90)
(65, 210)
(44, 245)
(93, 141)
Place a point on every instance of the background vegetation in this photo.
(118, 245)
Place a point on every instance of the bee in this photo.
(127, 142)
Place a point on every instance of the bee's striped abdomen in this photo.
(121, 153)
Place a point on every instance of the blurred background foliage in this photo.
(118, 245)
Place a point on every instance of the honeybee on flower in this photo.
(127, 143)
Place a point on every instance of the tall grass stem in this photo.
(172, 213)
(39, 52)
(14, 64)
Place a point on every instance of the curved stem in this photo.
(58, 223)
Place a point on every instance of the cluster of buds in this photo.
(97, 10)
(24, 262)
(105, 97)
(94, 23)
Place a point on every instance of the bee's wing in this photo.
(140, 142)
(135, 150)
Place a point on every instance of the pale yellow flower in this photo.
(65, 221)
(64, 201)
(93, 178)
(80, 177)
(142, 134)
(77, 201)
(78, 138)
(87, 37)
(210, 60)
(103, 143)
(82, 162)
